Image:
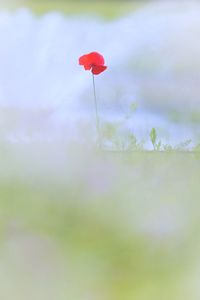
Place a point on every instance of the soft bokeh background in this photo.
(151, 49)
(77, 222)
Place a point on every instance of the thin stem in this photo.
(96, 112)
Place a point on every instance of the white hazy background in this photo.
(153, 62)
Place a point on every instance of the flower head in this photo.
(94, 62)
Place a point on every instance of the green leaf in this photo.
(153, 136)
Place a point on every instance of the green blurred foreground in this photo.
(91, 225)
(106, 9)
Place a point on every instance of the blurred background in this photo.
(76, 222)
(151, 49)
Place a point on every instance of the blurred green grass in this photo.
(88, 204)
(105, 9)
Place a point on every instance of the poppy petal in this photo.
(95, 58)
(96, 70)
(83, 61)
(87, 67)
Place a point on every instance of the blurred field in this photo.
(92, 225)
(105, 9)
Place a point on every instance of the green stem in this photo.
(96, 112)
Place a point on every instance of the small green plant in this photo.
(183, 146)
(118, 140)
(167, 148)
(133, 144)
(153, 137)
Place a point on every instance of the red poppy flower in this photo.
(94, 62)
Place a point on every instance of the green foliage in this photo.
(183, 146)
(133, 144)
(167, 148)
(158, 145)
(114, 139)
(153, 136)
(105, 9)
